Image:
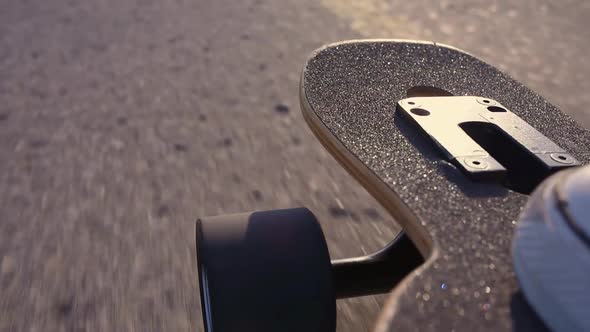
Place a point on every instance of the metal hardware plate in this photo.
(440, 118)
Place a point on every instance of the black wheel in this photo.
(265, 271)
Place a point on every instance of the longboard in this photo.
(459, 210)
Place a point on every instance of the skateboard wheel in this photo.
(265, 271)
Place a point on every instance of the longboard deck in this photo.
(349, 93)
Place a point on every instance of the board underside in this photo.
(349, 92)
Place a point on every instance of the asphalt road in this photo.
(122, 121)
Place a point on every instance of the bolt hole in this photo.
(496, 109)
(420, 111)
(486, 101)
(411, 103)
(475, 162)
(562, 158)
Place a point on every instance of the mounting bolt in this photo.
(476, 163)
(487, 101)
(562, 158)
(412, 103)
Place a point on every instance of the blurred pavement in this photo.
(122, 121)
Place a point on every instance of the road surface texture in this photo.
(122, 121)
